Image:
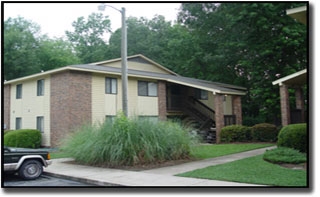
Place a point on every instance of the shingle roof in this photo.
(196, 83)
(171, 77)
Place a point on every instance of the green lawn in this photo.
(217, 150)
(252, 170)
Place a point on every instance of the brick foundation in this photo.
(70, 103)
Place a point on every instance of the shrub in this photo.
(128, 142)
(294, 136)
(24, 138)
(235, 133)
(264, 132)
(284, 155)
(6, 132)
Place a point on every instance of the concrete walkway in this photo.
(155, 177)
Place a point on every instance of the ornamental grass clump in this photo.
(128, 142)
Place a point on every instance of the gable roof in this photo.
(170, 77)
(137, 58)
(297, 78)
(191, 82)
(299, 13)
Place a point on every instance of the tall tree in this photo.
(169, 45)
(88, 37)
(55, 53)
(248, 44)
(20, 46)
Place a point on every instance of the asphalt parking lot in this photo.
(42, 181)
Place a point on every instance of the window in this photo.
(18, 123)
(40, 87)
(111, 85)
(110, 119)
(19, 91)
(40, 123)
(147, 88)
(154, 119)
(201, 94)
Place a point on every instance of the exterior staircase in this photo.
(201, 117)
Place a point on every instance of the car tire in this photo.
(30, 169)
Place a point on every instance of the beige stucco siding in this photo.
(30, 106)
(104, 104)
(97, 97)
(148, 106)
(110, 104)
(227, 105)
(210, 101)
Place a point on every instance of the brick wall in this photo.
(162, 100)
(237, 108)
(70, 103)
(6, 106)
(219, 115)
(285, 105)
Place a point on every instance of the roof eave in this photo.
(286, 78)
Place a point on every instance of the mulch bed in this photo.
(302, 166)
(140, 167)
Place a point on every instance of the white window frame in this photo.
(40, 87)
(147, 88)
(111, 85)
(18, 123)
(19, 91)
(40, 123)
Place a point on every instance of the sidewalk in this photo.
(155, 177)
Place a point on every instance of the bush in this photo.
(284, 155)
(6, 132)
(264, 132)
(128, 142)
(235, 133)
(294, 136)
(24, 138)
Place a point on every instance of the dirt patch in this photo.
(140, 167)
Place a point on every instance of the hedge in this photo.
(235, 133)
(294, 136)
(23, 138)
(264, 132)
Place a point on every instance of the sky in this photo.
(55, 18)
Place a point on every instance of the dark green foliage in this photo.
(264, 132)
(248, 44)
(294, 136)
(88, 36)
(252, 120)
(128, 142)
(235, 133)
(27, 52)
(24, 138)
(6, 132)
(284, 155)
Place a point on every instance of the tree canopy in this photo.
(27, 52)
